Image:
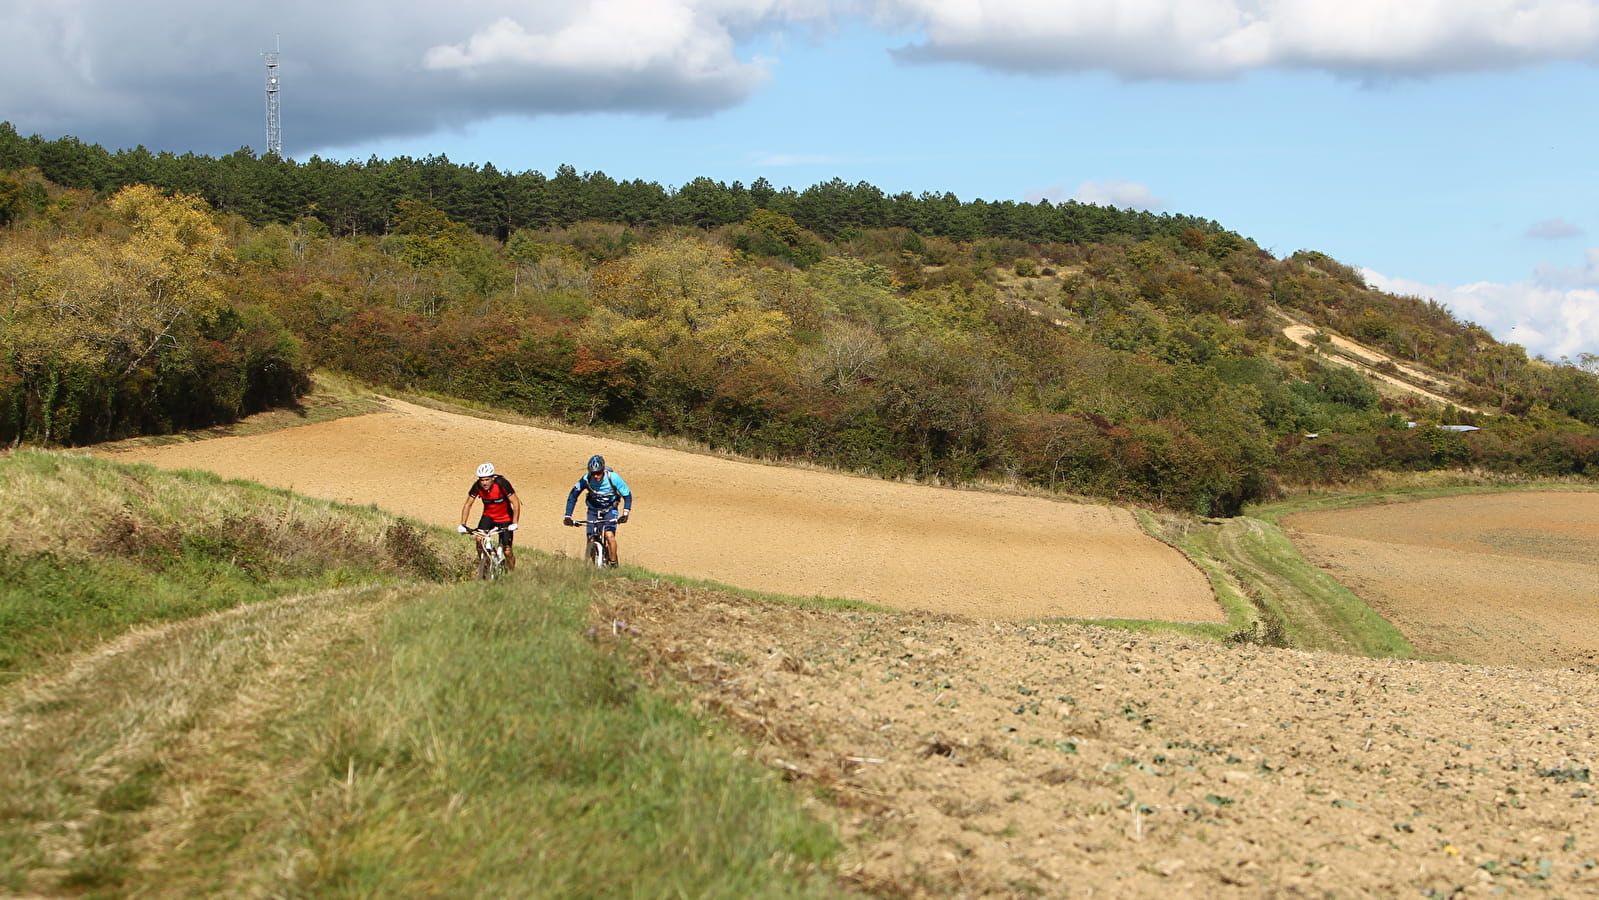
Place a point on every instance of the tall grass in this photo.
(89, 548)
(392, 738)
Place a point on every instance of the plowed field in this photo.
(1507, 578)
(747, 525)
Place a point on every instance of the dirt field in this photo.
(972, 758)
(761, 527)
(966, 754)
(1510, 578)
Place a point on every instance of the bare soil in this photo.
(766, 528)
(981, 758)
(1506, 578)
(964, 751)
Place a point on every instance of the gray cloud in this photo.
(186, 75)
(1554, 229)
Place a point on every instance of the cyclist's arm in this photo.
(571, 498)
(467, 509)
(516, 508)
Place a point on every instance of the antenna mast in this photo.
(274, 114)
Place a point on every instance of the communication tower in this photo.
(274, 114)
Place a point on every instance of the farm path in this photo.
(185, 699)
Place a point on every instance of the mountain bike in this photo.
(594, 542)
(490, 552)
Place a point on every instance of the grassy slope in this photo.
(268, 716)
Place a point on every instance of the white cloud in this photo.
(1104, 192)
(361, 70)
(1553, 314)
(604, 37)
(1213, 38)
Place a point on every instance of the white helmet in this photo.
(485, 470)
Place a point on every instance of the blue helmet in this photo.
(596, 465)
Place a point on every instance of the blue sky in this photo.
(1447, 148)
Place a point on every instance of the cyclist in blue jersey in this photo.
(609, 501)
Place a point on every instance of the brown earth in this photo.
(983, 758)
(766, 528)
(1504, 578)
(964, 753)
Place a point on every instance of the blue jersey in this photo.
(603, 495)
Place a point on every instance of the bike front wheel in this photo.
(596, 554)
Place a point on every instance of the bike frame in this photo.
(490, 552)
(594, 530)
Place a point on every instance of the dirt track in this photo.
(760, 527)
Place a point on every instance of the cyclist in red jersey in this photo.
(502, 508)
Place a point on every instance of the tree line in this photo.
(1143, 366)
(352, 197)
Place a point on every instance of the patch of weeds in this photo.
(410, 551)
(1130, 802)
(1267, 631)
(1529, 871)
(1568, 774)
(1133, 711)
(129, 535)
(1024, 888)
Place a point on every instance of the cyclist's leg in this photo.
(610, 538)
(507, 538)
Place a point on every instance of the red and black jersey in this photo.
(496, 498)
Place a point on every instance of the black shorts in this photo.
(485, 523)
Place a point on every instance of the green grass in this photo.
(1306, 606)
(332, 396)
(90, 548)
(1269, 593)
(388, 735)
(486, 747)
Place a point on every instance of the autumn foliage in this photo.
(1076, 349)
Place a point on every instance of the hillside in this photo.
(1063, 348)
